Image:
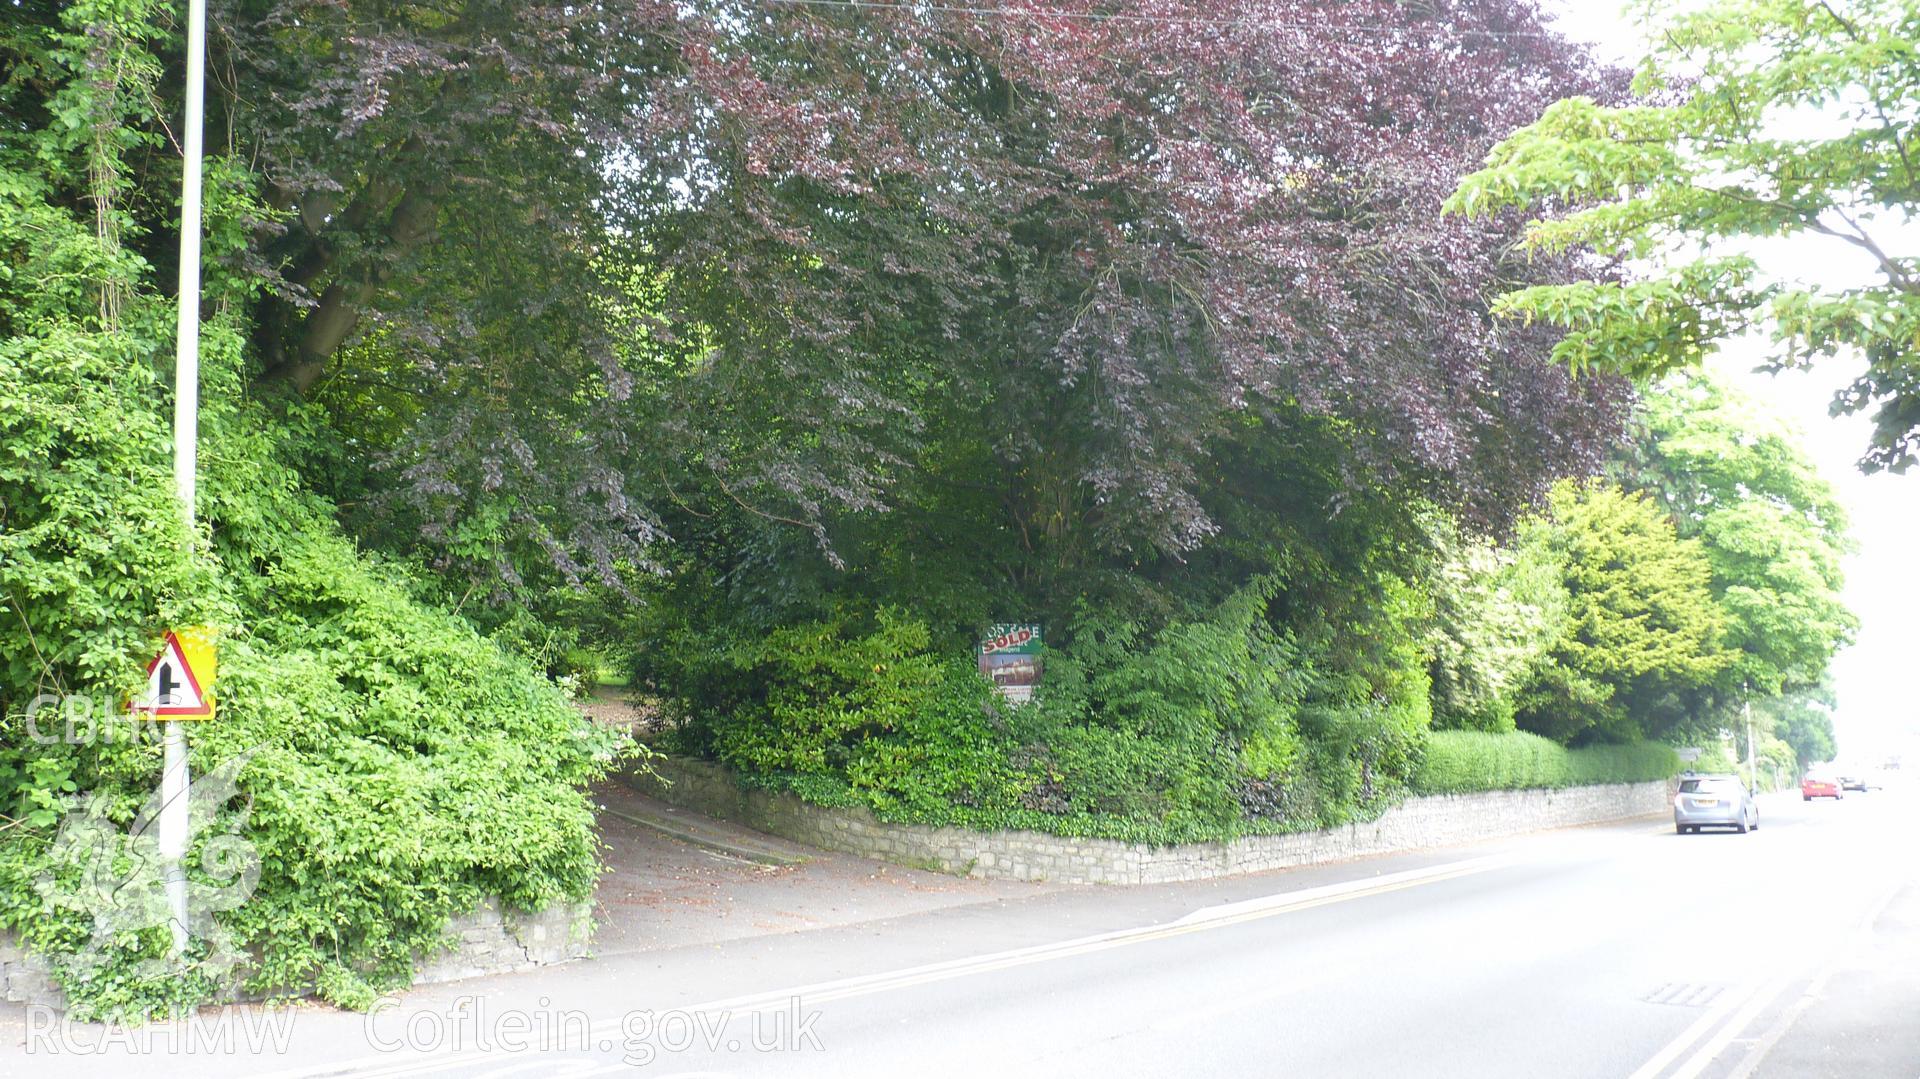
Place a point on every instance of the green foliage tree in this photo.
(1760, 119)
(1803, 719)
(1498, 610)
(1644, 635)
(551, 271)
(399, 767)
(1738, 480)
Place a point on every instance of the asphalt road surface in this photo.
(1617, 951)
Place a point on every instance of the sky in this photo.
(1879, 704)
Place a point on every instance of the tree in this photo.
(397, 766)
(433, 268)
(1272, 249)
(1644, 635)
(1738, 480)
(1498, 610)
(1759, 119)
(1803, 719)
(1129, 277)
(552, 270)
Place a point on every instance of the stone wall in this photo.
(23, 977)
(1417, 823)
(488, 941)
(496, 941)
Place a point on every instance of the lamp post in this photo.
(1746, 710)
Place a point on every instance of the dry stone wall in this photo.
(491, 940)
(1437, 821)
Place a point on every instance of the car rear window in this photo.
(1705, 786)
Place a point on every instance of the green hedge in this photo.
(1463, 762)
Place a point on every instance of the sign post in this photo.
(179, 689)
(174, 826)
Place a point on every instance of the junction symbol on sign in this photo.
(180, 679)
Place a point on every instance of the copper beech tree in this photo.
(560, 268)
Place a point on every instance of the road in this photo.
(1616, 951)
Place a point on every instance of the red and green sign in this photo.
(1021, 638)
(1010, 658)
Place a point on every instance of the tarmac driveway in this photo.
(732, 882)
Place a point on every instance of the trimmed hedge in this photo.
(1466, 762)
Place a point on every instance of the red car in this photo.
(1820, 787)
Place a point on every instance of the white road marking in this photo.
(1735, 1023)
(1765, 1043)
(1670, 1052)
(1236, 911)
(1206, 918)
(1731, 1017)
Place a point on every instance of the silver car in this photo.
(1714, 802)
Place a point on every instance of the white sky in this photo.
(1879, 702)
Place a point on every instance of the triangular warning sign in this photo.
(174, 688)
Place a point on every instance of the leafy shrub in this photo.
(860, 700)
(825, 689)
(1205, 729)
(1150, 726)
(1778, 768)
(402, 765)
(1196, 730)
(1498, 610)
(1636, 762)
(1463, 762)
(1364, 710)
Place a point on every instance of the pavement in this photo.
(1828, 1030)
(676, 878)
(1621, 950)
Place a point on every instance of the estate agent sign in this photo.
(1010, 658)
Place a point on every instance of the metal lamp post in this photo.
(1746, 710)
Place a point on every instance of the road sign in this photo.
(180, 678)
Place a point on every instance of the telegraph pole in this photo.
(1746, 709)
(174, 826)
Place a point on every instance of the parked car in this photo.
(1853, 783)
(1819, 786)
(1714, 801)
